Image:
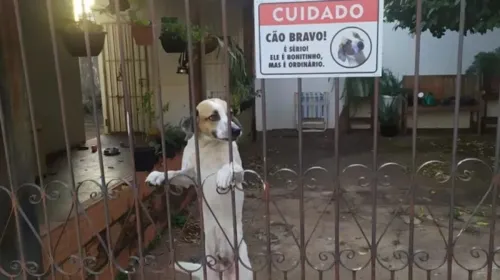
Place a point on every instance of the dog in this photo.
(217, 177)
(351, 49)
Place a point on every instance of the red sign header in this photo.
(318, 12)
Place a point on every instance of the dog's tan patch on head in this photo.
(209, 113)
(222, 104)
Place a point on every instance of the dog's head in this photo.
(212, 119)
(350, 46)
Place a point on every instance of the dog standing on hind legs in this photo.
(217, 176)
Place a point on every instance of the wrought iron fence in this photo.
(34, 252)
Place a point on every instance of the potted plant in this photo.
(174, 36)
(145, 156)
(241, 83)
(142, 32)
(391, 94)
(356, 90)
(73, 37)
(175, 141)
(389, 116)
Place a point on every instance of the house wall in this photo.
(43, 81)
(175, 87)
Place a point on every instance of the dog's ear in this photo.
(236, 121)
(341, 54)
(187, 126)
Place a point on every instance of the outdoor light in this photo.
(81, 7)
(182, 64)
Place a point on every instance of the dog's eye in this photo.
(213, 118)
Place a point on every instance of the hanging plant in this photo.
(142, 30)
(73, 37)
(241, 83)
(174, 36)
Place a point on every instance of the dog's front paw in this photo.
(155, 178)
(225, 254)
(229, 175)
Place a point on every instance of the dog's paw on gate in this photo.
(229, 174)
(155, 178)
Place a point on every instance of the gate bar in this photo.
(130, 131)
(192, 100)
(301, 183)
(264, 177)
(336, 177)
(414, 166)
(458, 87)
(374, 183)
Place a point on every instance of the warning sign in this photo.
(300, 39)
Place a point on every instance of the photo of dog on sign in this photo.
(351, 47)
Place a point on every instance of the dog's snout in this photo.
(235, 130)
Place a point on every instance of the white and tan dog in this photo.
(216, 173)
(352, 50)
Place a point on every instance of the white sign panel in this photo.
(312, 39)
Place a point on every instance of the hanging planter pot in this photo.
(172, 42)
(75, 43)
(142, 34)
(211, 44)
(73, 37)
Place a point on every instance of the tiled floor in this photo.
(86, 170)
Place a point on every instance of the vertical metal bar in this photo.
(373, 247)
(416, 85)
(104, 186)
(456, 116)
(494, 195)
(62, 106)
(264, 174)
(118, 72)
(157, 81)
(192, 101)
(230, 144)
(336, 173)
(301, 183)
(150, 71)
(131, 63)
(104, 68)
(130, 132)
(141, 87)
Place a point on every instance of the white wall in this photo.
(437, 56)
(280, 107)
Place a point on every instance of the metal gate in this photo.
(33, 251)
